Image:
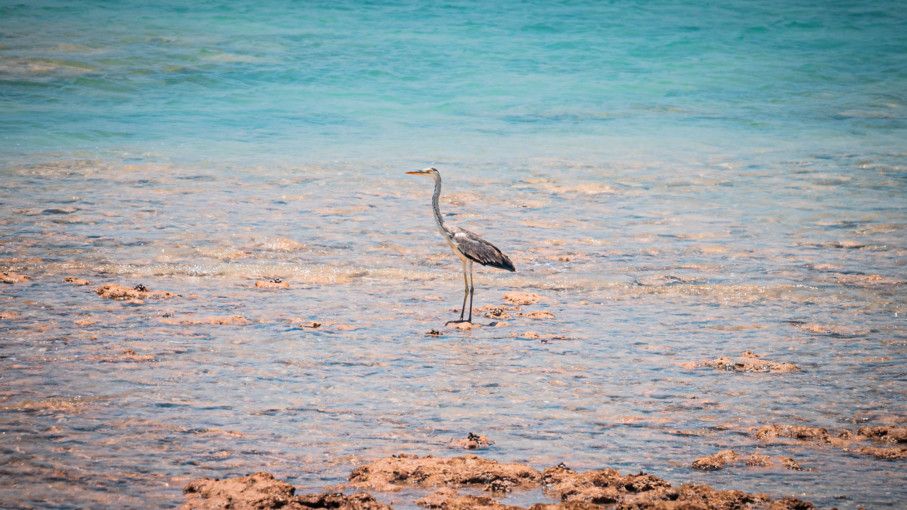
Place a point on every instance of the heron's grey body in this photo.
(467, 246)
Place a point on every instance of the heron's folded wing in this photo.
(479, 250)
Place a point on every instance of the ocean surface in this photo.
(459, 81)
(677, 181)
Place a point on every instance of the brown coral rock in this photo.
(261, 491)
(747, 362)
(608, 487)
(844, 439)
(716, 460)
(496, 312)
(758, 460)
(803, 433)
(449, 499)
(570, 505)
(575, 490)
(394, 473)
(135, 295)
(521, 298)
(791, 504)
(887, 434)
(472, 442)
(13, 278)
(538, 314)
(703, 496)
(884, 453)
(790, 463)
(724, 458)
(603, 486)
(272, 283)
(255, 491)
(230, 320)
(339, 501)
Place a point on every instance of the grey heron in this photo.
(467, 246)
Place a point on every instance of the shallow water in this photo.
(640, 279)
(677, 183)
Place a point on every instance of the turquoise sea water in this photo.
(463, 81)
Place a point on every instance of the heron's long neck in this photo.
(434, 205)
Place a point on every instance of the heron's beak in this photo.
(418, 172)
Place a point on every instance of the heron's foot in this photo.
(458, 321)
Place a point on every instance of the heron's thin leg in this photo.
(465, 291)
(472, 289)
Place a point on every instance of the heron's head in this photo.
(432, 171)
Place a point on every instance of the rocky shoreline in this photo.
(445, 481)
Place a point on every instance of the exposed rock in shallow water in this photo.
(538, 314)
(534, 335)
(340, 501)
(472, 442)
(790, 463)
(603, 486)
(801, 432)
(521, 298)
(722, 459)
(747, 362)
(494, 312)
(231, 320)
(575, 490)
(716, 460)
(608, 487)
(13, 278)
(885, 433)
(394, 473)
(76, 281)
(272, 283)
(450, 499)
(884, 453)
(834, 330)
(134, 295)
(261, 491)
(845, 439)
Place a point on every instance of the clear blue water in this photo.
(464, 81)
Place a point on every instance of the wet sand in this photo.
(164, 324)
